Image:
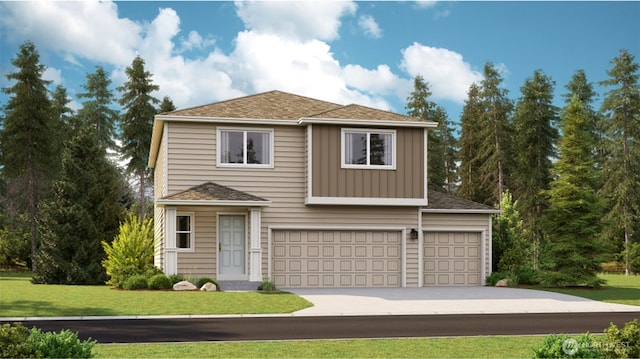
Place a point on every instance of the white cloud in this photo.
(448, 75)
(87, 29)
(302, 20)
(380, 81)
(370, 27)
(52, 74)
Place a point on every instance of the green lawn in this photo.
(618, 289)
(463, 347)
(20, 298)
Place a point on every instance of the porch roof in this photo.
(444, 203)
(212, 194)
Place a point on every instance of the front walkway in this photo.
(446, 300)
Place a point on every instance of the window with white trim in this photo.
(184, 231)
(365, 148)
(245, 147)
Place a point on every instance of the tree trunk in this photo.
(143, 204)
(33, 202)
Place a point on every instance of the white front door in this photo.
(231, 247)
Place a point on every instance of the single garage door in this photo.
(303, 258)
(451, 258)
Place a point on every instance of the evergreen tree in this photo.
(579, 86)
(166, 105)
(535, 119)
(621, 168)
(137, 124)
(470, 142)
(96, 112)
(572, 222)
(494, 153)
(509, 250)
(440, 143)
(62, 117)
(28, 153)
(84, 211)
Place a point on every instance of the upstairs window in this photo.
(245, 147)
(372, 149)
(184, 231)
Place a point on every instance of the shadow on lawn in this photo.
(37, 308)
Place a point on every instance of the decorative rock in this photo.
(209, 287)
(184, 285)
(501, 283)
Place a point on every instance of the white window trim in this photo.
(270, 131)
(192, 239)
(368, 131)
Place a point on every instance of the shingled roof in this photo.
(439, 201)
(209, 191)
(285, 106)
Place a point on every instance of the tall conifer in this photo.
(28, 153)
(137, 124)
(621, 168)
(471, 186)
(96, 112)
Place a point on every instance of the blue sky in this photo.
(347, 52)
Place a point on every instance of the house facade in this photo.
(308, 193)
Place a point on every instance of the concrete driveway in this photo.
(446, 300)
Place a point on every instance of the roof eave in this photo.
(360, 122)
(213, 203)
(461, 211)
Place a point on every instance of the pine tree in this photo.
(137, 124)
(535, 119)
(28, 153)
(96, 112)
(62, 117)
(509, 252)
(494, 153)
(572, 222)
(621, 168)
(166, 105)
(440, 142)
(579, 86)
(84, 211)
(470, 142)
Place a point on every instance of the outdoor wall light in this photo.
(413, 234)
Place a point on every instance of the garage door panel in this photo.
(451, 258)
(340, 259)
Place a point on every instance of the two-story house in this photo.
(308, 193)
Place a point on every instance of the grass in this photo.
(619, 289)
(462, 347)
(21, 298)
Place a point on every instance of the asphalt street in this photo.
(332, 327)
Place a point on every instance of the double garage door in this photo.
(308, 259)
(336, 258)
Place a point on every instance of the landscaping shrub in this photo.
(202, 281)
(528, 276)
(267, 286)
(569, 279)
(160, 281)
(64, 344)
(623, 343)
(495, 277)
(175, 278)
(14, 342)
(131, 252)
(136, 282)
(564, 346)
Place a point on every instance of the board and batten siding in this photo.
(462, 222)
(331, 180)
(192, 161)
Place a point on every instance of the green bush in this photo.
(131, 252)
(563, 346)
(175, 278)
(267, 286)
(64, 344)
(202, 281)
(623, 343)
(14, 342)
(528, 276)
(136, 282)
(494, 278)
(569, 279)
(160, 281)
(15, 247)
